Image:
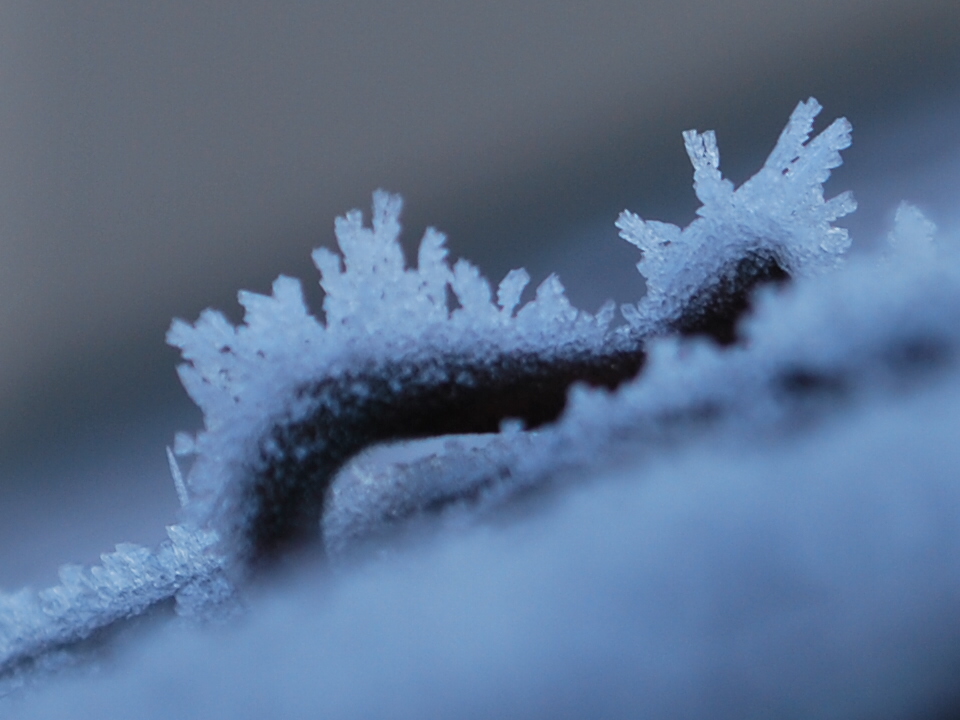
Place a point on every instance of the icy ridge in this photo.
(34, 626)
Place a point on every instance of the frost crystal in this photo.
(777, 220)
(912, 235)
(128, 582)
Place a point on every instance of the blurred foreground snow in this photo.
(817, 576)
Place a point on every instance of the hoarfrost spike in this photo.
(182, 495)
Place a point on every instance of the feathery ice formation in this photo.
(288, 398)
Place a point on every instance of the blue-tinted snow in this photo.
(813, 576)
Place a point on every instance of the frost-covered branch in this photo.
(288, 397)
(38, 630)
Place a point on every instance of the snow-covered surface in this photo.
(769, 529)
(817, 576)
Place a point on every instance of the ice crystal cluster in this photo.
(388, 337)
(778, 216)
(698, 511)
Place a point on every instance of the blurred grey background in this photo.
(157, 157)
